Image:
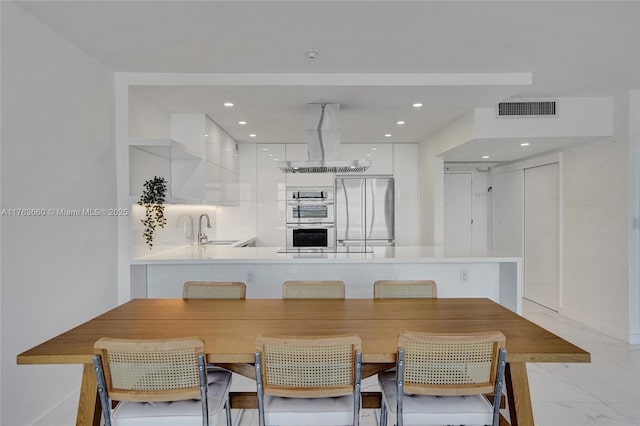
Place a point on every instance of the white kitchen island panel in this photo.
(496, 278)
(167, 280)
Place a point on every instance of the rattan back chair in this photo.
(442, 379)
(170, 373)
(308, 380)
(403, 289)
(313, 290)
(214, 290)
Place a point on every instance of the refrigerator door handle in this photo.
(363, 211)
(371, 207)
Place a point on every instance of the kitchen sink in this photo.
(219, 242)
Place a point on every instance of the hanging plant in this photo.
(152, 200)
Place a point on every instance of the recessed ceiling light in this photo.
(228, 104)
(417, 105)
(525, 144)
(242, 122)
(400, 122)
(374, 149)
(265, 149)
(484, 157)
(269, 155)
(368, 154)
(252, 135)
(206, 135)
(388, 135)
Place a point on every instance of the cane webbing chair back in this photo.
(308, 367)
(403, 289)
(451, 364)
(313, 290)
(151, 370)
(214, 290)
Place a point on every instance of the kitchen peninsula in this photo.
(263, 269)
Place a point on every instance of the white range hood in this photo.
(323, 144)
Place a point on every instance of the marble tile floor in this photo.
(605, 392)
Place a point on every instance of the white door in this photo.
(458, 213)
(541, 235)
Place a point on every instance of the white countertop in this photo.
(189, 254)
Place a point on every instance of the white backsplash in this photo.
(178, 230)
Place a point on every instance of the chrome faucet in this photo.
(189, 235)
(202, 237)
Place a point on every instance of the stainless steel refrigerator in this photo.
(364, 212)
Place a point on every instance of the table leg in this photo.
(518, 395)
(89, 410)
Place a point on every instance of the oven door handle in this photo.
(309, 225)
(310, 203)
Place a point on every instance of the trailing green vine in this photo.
(152, 200)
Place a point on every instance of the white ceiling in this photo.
(574, 48)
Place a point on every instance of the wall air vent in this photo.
(527, 108)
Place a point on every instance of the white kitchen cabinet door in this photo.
(212, 175)
(271, 196)
(215, 139)
(190, 130)
(229, 187)
(380, 155)
(145, 165)
(230, 154)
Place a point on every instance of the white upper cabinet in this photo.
(190, 131)
(380, 155)
(150, 157)
(270, 196)
(214, 179)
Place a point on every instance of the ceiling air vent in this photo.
(527, 108)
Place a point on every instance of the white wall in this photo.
(431, 167)
(634, 215)
(594, 284)
(146, 118)
(587, 117)
(595, 277)
(407, 199)
(57, 152)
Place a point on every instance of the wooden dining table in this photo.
(229, 329)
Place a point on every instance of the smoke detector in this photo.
(311, 53)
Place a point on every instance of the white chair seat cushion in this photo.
(183, 413)
(282, 411)
(425, 409)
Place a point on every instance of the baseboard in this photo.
(63, 413)
(597, 325)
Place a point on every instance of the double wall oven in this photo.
(310, 219)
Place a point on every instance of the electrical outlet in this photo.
(251, 276)
(464, 276)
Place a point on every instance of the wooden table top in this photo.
(229, 327)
